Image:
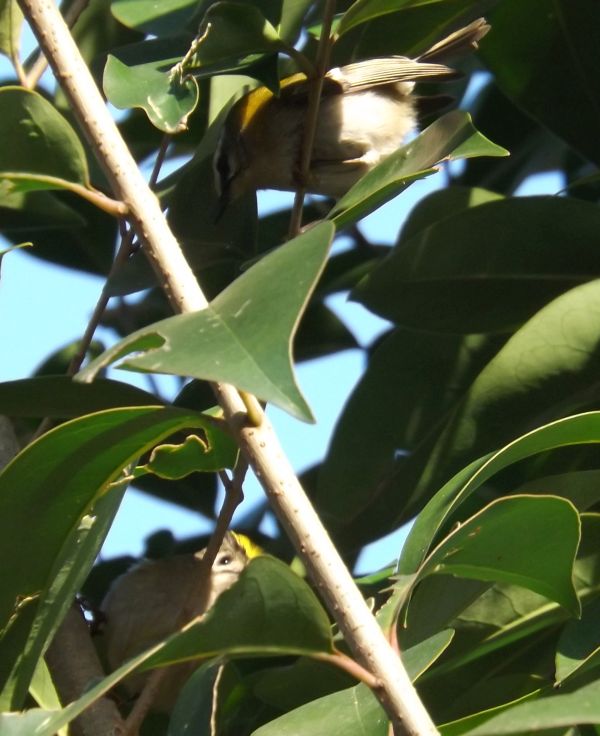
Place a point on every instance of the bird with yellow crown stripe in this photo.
(155, 598)
(366, 111)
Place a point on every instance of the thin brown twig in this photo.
(312, 116)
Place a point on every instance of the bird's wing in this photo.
(388, 70)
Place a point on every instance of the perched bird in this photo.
(366, 111)
(155, 598)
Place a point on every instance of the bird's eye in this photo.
(224, 560)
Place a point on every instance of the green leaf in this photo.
(449, 138)
(11, 19)
(71, 566)
(363, 11)
(579, 429)
(579, 643)
(139, 76)
(495, 623)
(525, 540)
(381, 27)
(579, 707)
(61, 397)
(195, 454)
(562, 54)
(230, 31)
(354, 712)
(79, 459)
(443, 204)
(485, 268)
(271, 610)
(43, 691)
(244, 336)
(164, 19)
(581, 487)
(42, 151)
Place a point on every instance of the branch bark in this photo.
(258, 443)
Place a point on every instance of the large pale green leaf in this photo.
(579, 429)
(449, 138)
(485, 268)
(41, 150)
(61, 476)
(138, 76)
(244, 336)
(560, 55)
(525, 540)
(570, 709)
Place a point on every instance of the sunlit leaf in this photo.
(139, 76)
(525, 540)
(244, 336)
(554, 711)
(582, 428)
(449, 138)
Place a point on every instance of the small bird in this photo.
(156, 598)
(366, 111)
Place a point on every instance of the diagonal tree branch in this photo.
(258, 443)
